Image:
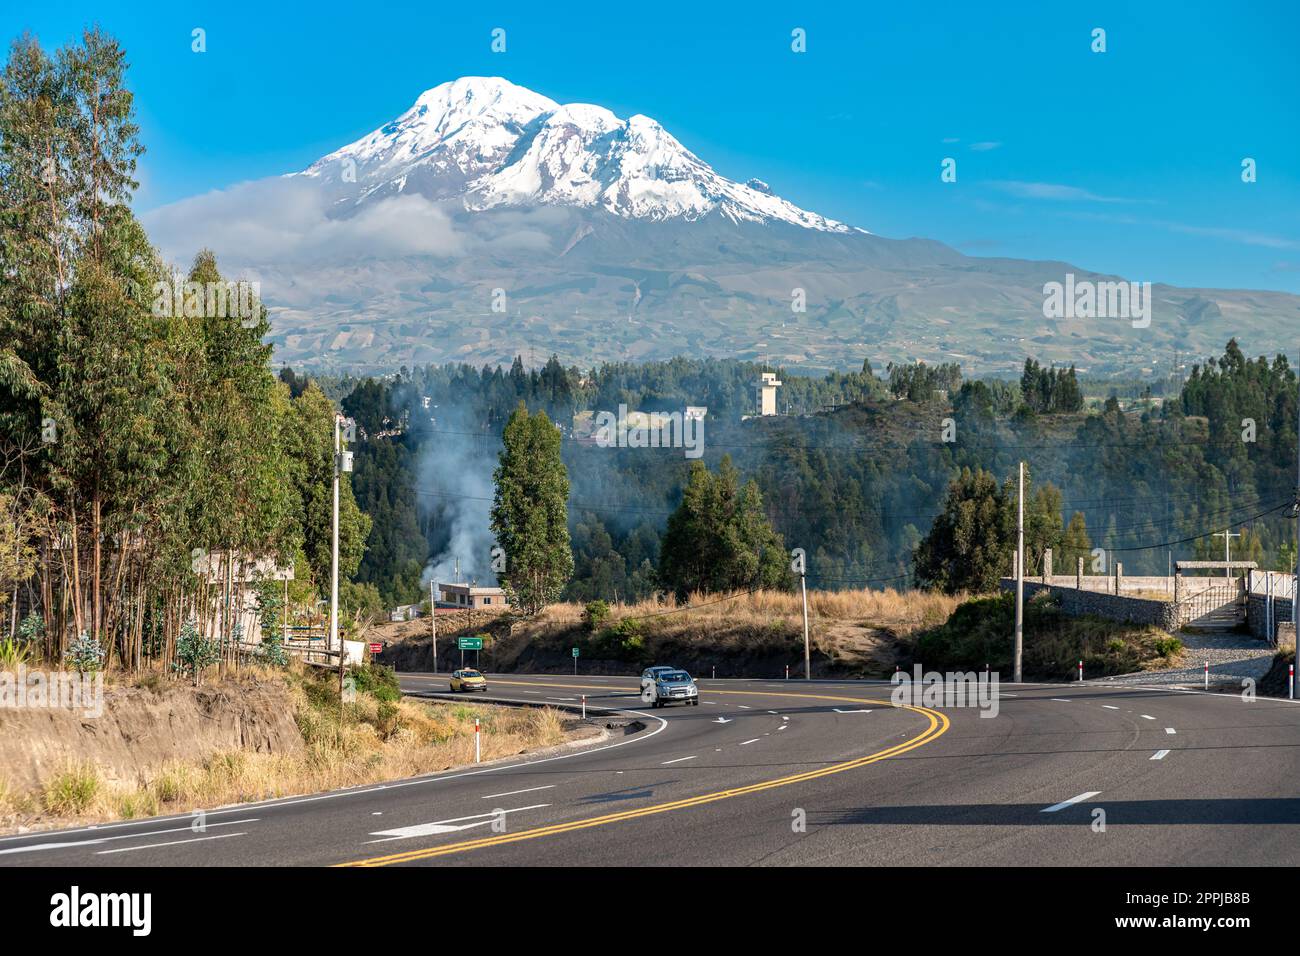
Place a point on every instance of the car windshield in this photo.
(471, 674)
(674, 677)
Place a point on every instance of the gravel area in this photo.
(1232, 657)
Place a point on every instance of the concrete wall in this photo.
(1130, 584)
(1113, 607)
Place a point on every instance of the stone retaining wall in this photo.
(1113, 607)
(1257, 614)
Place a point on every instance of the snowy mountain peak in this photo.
(494, 144)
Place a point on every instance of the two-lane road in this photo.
(776, 772)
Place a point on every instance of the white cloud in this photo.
(286, 220)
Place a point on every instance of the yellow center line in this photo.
(938, 725)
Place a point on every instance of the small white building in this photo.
(472, 597)
(767, 386)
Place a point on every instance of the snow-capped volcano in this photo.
(493, 144)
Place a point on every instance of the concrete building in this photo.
(767, 386)
(472, 596)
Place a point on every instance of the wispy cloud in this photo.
(985, 146)
(1056, 192)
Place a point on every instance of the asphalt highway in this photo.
(791, 773)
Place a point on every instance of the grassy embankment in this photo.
(380, 736)
(981, 631)
(852, 634)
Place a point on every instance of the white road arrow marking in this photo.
(446, 826)
(1071, 802)
(722, 720)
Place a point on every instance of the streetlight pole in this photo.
(1020, 576)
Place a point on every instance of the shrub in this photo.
(85, 654)
(595, 614)
(377, 680)
(72, 790)
(31, 628)
(195, 652)
(13, 653)
(1168, 646)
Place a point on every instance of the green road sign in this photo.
(575, 652)
(470, 643)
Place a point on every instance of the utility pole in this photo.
(1295, 589)
(334, 642)
(807, 654)
(342, 463)
(1020, 576)
(1227, 537)
(433, 623)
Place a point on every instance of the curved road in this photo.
(788, 773)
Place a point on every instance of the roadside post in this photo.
(1080, 671)
(584, 706)
(715, 671)
(478, 752)
(1290, 682)
(575, 662)
(1207, 675)
(787, 671)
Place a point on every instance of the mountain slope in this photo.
(494, 144)
(488, 221)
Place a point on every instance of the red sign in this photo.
(376, 648)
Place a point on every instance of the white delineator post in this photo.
(787, 671)
(478, 752)
(1207, 675)
(1080, 671)
(1020, 577)
(584, 706)
(1290, 682)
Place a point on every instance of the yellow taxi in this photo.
(467, 679)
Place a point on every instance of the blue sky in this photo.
(1127, 161)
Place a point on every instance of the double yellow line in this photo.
(938, 725)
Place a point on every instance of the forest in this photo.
(855, 472)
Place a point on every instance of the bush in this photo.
(195, 652)
(1168, 646)
(595, 614)
(13, 653)
(378, 681)
(624, 641)
(84, 654)
(72, 790)
(981, 631)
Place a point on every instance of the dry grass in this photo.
(855, 628)
(898, 611)
(370, 742)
